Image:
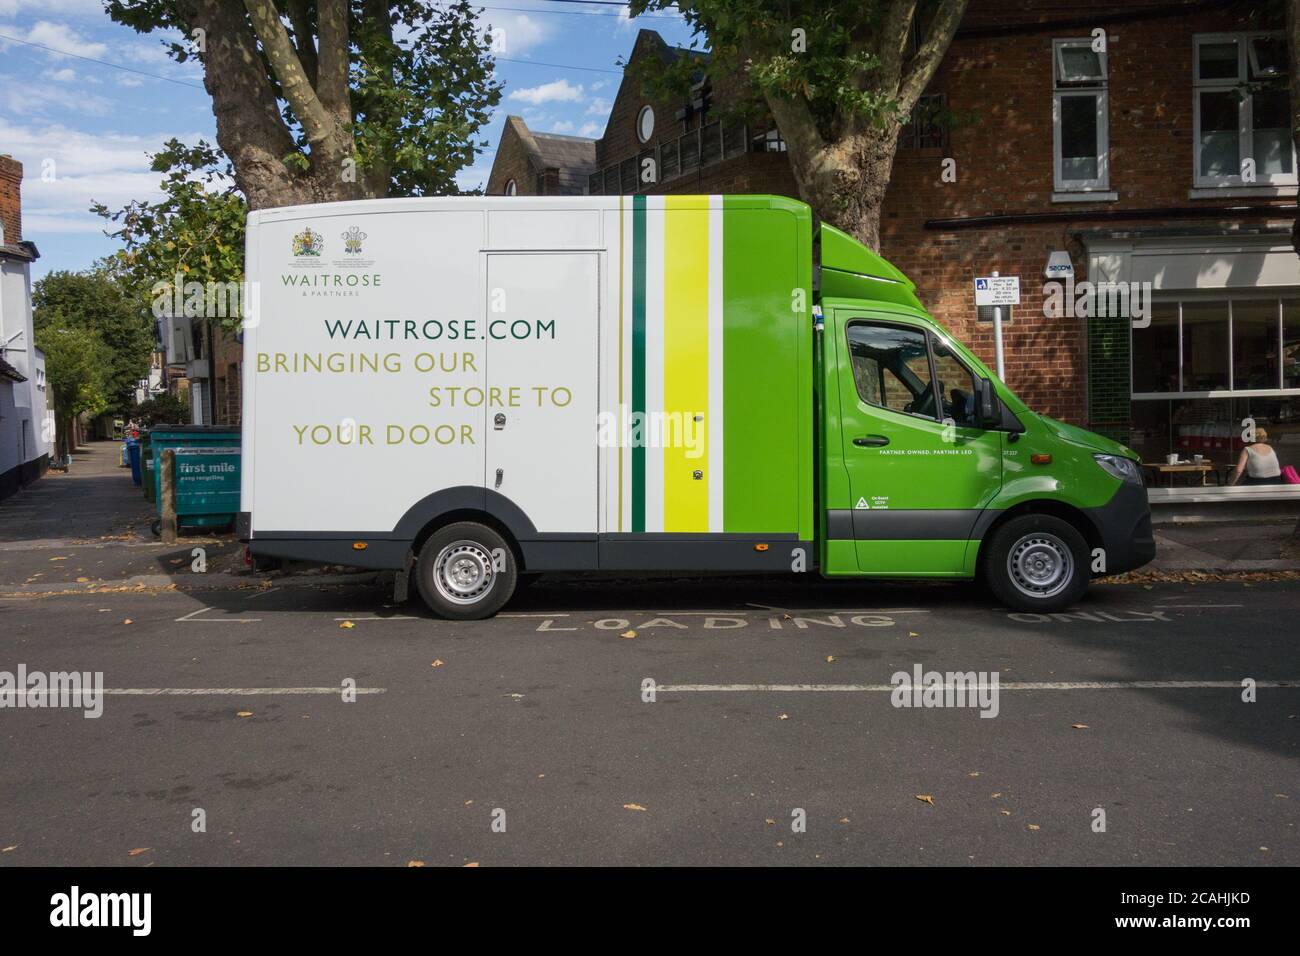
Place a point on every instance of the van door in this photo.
(541, 327)
(919, 468)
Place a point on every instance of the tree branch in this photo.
(893, 41)
(925, 62)
(317, 122)
(332, 76)
(302, 37)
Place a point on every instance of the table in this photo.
(1186, 468)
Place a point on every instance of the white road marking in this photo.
(1198, 605)
(521, 614)
(260, 593)
(840, 610)
(217, 691)
(193, 618)
(1007, 685)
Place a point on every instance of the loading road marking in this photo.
(1007, 685)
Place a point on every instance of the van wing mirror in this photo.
(989, 406)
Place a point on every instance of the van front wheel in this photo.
(466, 571)
(1037, 563)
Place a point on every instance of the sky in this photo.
(84, 101)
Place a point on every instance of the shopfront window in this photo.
(1199, 369)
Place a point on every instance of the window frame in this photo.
(927, 336)
(1244, 43)
(1097, 88)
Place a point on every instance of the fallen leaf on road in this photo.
(628, 635)
(973, 773)
(784, 717)
(58, 559)
(9, 848)
(437, 663)
(770, 822)
(468, 802)
(925, 798)
(1005, 813)
(513, 696)
(414, 863)
(1079, 726)
(634, 806)
(830, 659)
(475, 863)
(82, 580)
(913, 634)
(138, 850)
(128, 621)
(998, 794)
(244, 713)
(347, 625)
(844, 819)
(1034, 826)
(178, 561)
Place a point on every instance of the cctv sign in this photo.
(997, 290)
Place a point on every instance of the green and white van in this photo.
(474, 389)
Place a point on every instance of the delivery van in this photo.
(467, 390)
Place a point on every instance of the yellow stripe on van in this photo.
(686, 363)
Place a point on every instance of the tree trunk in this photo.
(845, 181)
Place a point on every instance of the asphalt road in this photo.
(536, 724)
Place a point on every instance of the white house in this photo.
(26, 420)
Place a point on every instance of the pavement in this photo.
(304, 719)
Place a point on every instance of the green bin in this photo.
(207, 472)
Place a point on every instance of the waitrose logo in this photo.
(331, 280)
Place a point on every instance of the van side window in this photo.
(956, 385)
(891, 368)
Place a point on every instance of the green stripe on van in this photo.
(638, 357)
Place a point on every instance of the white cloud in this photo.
(564, 126)
(557, 91)
(76, 8)
(591, 130)
(112, 168)
(35, 99)
(63, 39)
(514, 33)
(65, 75)
(599, 106)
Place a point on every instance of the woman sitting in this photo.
(1259, 462)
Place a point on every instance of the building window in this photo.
(1080, 127)
(926, 127)
(769, 142)
(645, 124)
(1242, 111)
(511, 188)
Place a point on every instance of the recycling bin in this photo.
(208, 475)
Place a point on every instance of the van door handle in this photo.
(871, 441)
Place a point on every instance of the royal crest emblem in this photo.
(308, 243)
(352, 241)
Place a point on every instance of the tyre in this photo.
(1037, 563)
(156, 527)
(466, 571)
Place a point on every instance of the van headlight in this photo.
(1125, 469)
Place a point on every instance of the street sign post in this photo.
(997, 291)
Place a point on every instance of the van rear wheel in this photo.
(466, 571)
(1037, 563)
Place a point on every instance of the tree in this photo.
(840, 80)
(95, 305)
(75, 372)
(196, 231)
(334, 99)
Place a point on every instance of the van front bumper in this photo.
(1124, 524)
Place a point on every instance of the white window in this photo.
(1080, 125)
(1242, 111)
(511, 188)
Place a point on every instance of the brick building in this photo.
(1165, 158)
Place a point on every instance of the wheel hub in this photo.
(1040, 565)
(463, 572)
